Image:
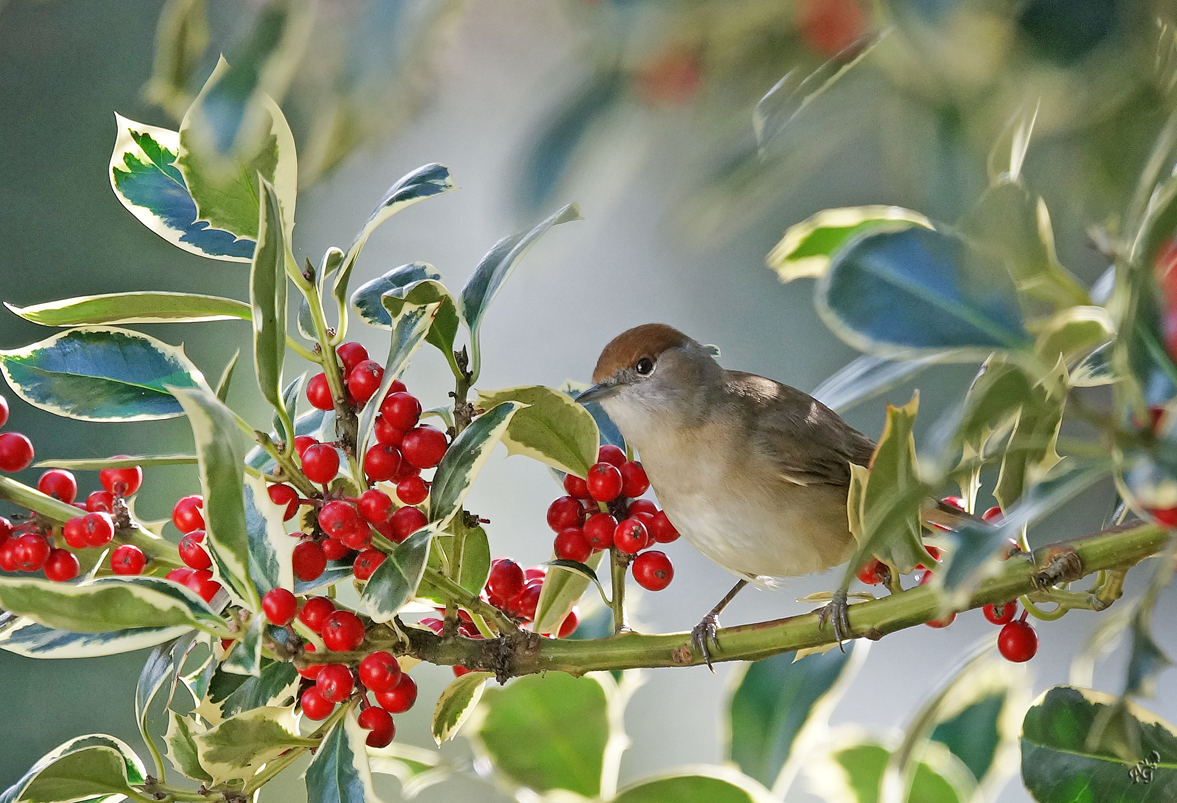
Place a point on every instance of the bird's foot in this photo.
(837, 613)
(704, 634)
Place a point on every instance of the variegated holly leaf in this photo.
(267, 296)
(396, 579)
(552, 428)
(148, 182)
(339, 772)
(456, 704)
(140, 307)
(240, 745)
(807, 248)
(32, 639)
(86, 768)
(101, 373)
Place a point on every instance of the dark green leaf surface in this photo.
(35, 640)
(101, 373)
(267, 296)
(473, 563)
(900, 293)
(395, 580)
(82, 768)
(140, 307)
(774, 700)
(275, 686)
(547, 732)
(148, 182)
(973, 735)
(690, 789)
(220, 455)
(1059, 765)
(463, 460)
(339, 772)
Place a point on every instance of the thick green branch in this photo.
(527, 653)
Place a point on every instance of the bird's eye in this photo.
(645, 366)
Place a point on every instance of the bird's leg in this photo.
(837, 613)
(705, 632)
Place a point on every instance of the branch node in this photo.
(1061, 565)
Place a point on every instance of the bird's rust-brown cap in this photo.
(647, 340)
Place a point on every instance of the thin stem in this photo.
(290, 472)
(301, 350)
(618, 564)
(469, 601)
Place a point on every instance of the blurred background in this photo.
(642, 112)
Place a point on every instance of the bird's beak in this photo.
(599, 392)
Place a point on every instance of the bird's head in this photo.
(653, 370)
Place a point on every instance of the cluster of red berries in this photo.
(34, 545)
(403, 448)
(188, 517)
(603, 511)
(325, 685)
(1017, 640)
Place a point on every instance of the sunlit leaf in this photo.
(81, 769)
(806, 250)
(552, 428)
(560, 592)
(180, 748)
(703, 784)
(239, 746)
(456, 704)
(396, 579)
(140, 307)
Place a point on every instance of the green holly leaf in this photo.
(83, 768)
(456, 704)
(239, 746)
(473, 564)
(561, 590)
(806, 250)
(867, 377)
(101, 373)
(853, 770)
(396, 579)
(180, 746)
(464, 459)
(552, 428)
(701, 784)
(270, 547)
(159, 675)
(141, 307)
(267, 295)
(339, 772)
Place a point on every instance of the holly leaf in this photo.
(270, 548)
(456, 704)
(464, 459)
(139, 307)
(239, 746)
(552, 428)
(702, 784)
(159, 675)
(84, 768)
(267, 295)
(339, 772)
(101, 373)
(560, 591)
(396, 579)
(24, 636)
(180, 746)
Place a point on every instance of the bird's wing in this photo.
(812, 444)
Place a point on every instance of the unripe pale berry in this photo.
(308, 561)
(343, 631)
(604, 482)
(280, 606)
(16, 452)
(320, 463)
(319, 393)
(121, 481)
(186, 514)
(60, 484)
(652, 570)
(127, 559)
(424, 446)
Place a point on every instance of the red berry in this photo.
(401, 410)
(661, 529)
(380, 671)
(320, 463)
(642, 507)
(634, 481)
(598, 530)
(351, 355)
(399, 698)
(364, 380)
(121, 481)
(281, 494)
(406, 521)
(1166, 517)
(335, 682)
(366, 563)
(945, 622)
(301, 442)
(16, 452)
(565, 512)
(505, 582)
(315, 611)
(315, 705)
(311, 671)
(343, 631)
(611, 454)
(60, 484)
(1001, 614)
(1017, 642)
(191, 551)
(186, 514)
(31, 552)
(100, 502)
(374, 505)
(179, 575)
(280, 606)
(382, 461)
(74, 533)
(61, 565)
(407, 470)
(127, 559)
(8, 555)
(570, 545)
(575, 486)
(319, 393)
(334, 549)
(412, 490)
(424, 446)
(653, 570)
(203, 584)
(308, 561)
(528, 600)
(379, 722)
(97, 529)
(604, 482)
(535, 573)
(341, 520)
(873, 572)
(954, 501)
(569, 625)
(385, 432)
(992, 514)
(631, 536)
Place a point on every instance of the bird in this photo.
(753, 473)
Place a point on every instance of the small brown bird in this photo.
(751, 472)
